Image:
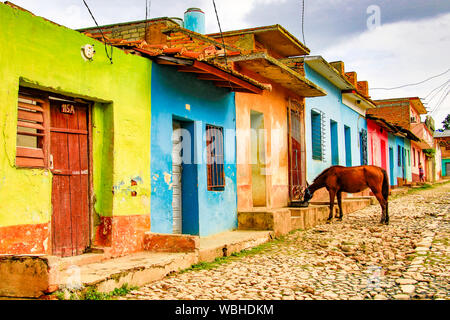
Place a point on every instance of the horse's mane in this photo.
(324, 172)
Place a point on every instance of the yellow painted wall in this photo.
(41, 54)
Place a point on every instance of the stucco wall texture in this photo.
(333, 109)
(273, 106)
(195, 103)
(40, 54)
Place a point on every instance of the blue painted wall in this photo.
(205, 212)
(333, 109)
(397, 170)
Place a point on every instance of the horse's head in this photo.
(307, 195)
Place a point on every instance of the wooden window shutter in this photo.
(32, 132)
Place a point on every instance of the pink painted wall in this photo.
(377, 145)
(417, 156)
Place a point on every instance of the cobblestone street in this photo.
(356, 258)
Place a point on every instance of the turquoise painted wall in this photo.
(182, 96)
(444, 171)
(395, 142)
(332, 108)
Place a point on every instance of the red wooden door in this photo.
(69, 161)
(295, 155)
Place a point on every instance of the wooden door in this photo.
(177, 169)
(69, 163)
(295, 154)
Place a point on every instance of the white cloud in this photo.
(400, 53)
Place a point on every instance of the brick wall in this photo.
(295, 64)
(352, 78)
(363, 88)
(339, 66)
(137, 31)
(398, 115)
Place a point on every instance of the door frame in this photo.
(90, 190)
(298, 106)
(45, 96)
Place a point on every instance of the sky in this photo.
(390, 43)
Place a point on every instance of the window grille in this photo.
(318, 134)
(363, 146)
(215, 158)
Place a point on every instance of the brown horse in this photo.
(338, 179)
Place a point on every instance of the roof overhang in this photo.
(383, 123)
(326, 70)
(274, 70)
(355, 97)
(221, 78)
(414, 101)
(274, 38)
(394, 129)
(418, 105)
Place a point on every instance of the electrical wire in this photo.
(221, 33)
(438, 87)
(441, 101)
(303, 22)
(443, 88)
(101, 31)
(148, 5)
(412, 84)
(223, 41)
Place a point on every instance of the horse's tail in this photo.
(385, 187)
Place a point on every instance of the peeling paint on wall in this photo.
(120, 138)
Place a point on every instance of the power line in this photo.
(101, 31)
(443, 88)
(303, 21)
(221, 34)
(412, 84)
(148, 5)
(446, 82)
(441, 101)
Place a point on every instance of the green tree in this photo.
(446, 122)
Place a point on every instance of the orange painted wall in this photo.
(274, 106)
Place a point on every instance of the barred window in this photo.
(215, 158)
(31, 133)
(363, 146)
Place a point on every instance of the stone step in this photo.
(227, 243)
(32, 276)
(135, 269)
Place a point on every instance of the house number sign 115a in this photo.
(68, 108)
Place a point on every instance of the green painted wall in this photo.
(37, 53)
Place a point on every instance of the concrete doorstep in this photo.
(34, 276)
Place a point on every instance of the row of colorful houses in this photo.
(154, 127)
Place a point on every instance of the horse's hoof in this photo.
(328, 221)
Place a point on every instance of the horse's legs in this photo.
(386, 217)
(332, 193)
(383, 204)
(339, 199)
